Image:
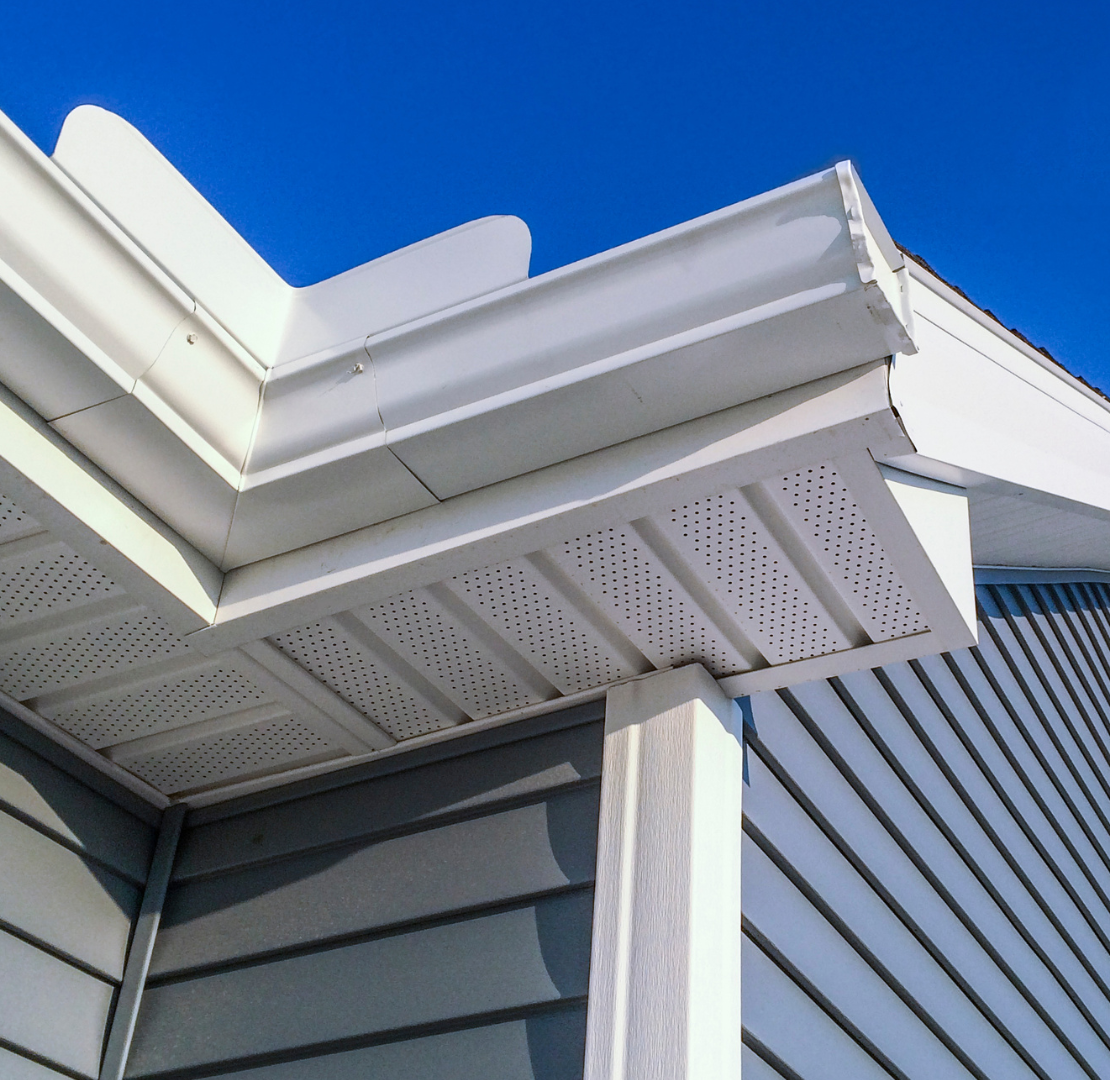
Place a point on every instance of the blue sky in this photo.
(329, 133)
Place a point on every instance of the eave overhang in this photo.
(433, 492)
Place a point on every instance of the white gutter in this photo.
(255, 418)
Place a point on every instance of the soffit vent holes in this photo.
(445, 653)
(722, 538)
(515, 599)
(646, 601)
(342, 664)
(50, 581)
(85, 654)
(15, 523)
(821, 507)
(159, 707)
(236, 755)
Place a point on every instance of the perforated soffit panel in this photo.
(741, 581)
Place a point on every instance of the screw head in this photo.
(358, 369)
(191, 339)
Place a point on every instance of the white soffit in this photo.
(781, 553)
(262, 551)
(1020, 530)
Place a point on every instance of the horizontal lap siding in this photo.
(429, 922)
(73, 863)
(497, 1051)
(927, 857)
(17, 1067)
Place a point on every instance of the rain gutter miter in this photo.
(255, 418)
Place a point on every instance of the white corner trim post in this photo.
(664, 1001)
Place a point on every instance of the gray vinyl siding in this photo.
(427, 918)
(926, 865)
(926, 884)
(73, 858)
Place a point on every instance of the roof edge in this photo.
(924, 274)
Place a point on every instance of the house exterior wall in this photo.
(427, 915)
(74, 854)
(927, 857)
(926, 879)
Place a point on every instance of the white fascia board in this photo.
(294, 508)
(154, 464)
(115, 322)
(66, 249)
(983, 412)
(835, 417)
(714, 267)
(45, 358)
(633, 393)
(106, 524)
(934, 284)
(126, 426)
(774, 292)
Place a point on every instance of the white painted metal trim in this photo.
(861, 658)
(478, 372)
(126, 1012)
(79, 504)
(982, 408)
(918, 273)
(665, 962)
(826, 419)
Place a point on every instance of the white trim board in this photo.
(665, 962)
(831, 418)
